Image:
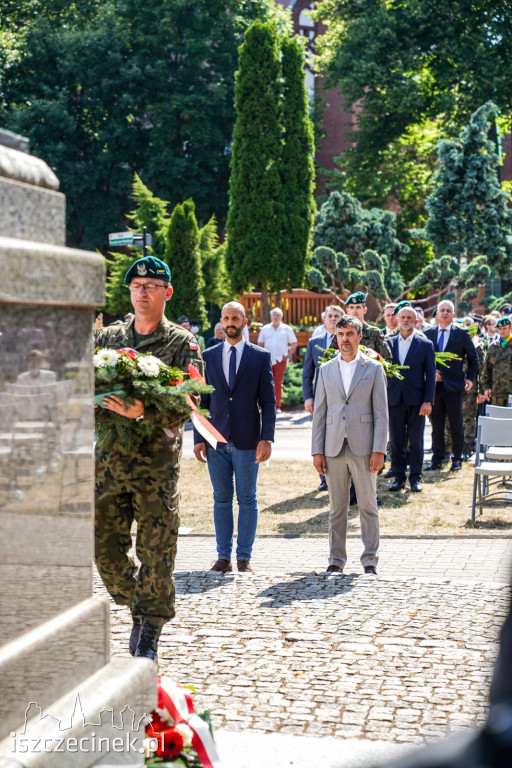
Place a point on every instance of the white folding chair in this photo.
(510, 401)
(492, 435)
(498, 412)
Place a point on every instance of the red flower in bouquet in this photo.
(131, 353)
(170, 744)
(157, 725)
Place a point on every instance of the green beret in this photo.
(434, 313)
(149, 266)
(505, 320)
(356, 298)
(401, 305)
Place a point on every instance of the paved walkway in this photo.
(401, 658)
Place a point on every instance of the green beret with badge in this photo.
(505, 320)
(359, 297)
(401, 305)
(149, 266)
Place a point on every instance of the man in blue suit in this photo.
(451, 382)
(312, 363)
(410, 399)
(243, 409)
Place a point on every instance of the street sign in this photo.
(129, 238)
(120, 238)
(139, 240)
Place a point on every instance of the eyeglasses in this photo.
(146, 287)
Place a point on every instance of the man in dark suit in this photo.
(452, 381)
(241, 373)
(409, 399)
(314, 354)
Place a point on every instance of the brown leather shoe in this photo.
(334, 569)
(244, 566)
(222, 566)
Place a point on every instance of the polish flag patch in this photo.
(193, 345)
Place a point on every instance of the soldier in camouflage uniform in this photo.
(496, 379)
(373, 337)
(141, 484)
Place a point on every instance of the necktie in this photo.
(440, 342)
(232, 368)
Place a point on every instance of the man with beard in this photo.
(243, 409)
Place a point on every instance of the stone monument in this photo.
(58, 682)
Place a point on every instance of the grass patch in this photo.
(290, 504)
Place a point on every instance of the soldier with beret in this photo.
(496, 378)
(141, 483)
(372, 337)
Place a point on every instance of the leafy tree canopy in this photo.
(407, 61)
(106, 89)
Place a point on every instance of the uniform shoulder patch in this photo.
(193, 345)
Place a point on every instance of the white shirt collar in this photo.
(238, 346)
(352, 362)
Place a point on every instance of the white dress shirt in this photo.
(404, 346)
(226, 355)
(347, 370)
(446, 337)
(276, 340)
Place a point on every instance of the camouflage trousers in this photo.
(469, 415)
(127, 490)
(501, 400)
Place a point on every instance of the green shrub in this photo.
(292, 387)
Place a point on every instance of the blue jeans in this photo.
(224, 463)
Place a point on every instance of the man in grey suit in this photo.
(350, 433)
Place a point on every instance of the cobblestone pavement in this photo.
(404, 657)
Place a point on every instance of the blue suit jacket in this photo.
(459, 342)
(236, 414)
(311, 364)
(419, 382)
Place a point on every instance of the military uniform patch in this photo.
(142, 270)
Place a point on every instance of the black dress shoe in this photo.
(389, 473)
(456, 465)
(396, 486)
(334, 569)
(134, 637)
(433, 465)
(416, 487)
(370, 569)
(147, 646)
(322, 486)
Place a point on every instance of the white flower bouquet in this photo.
(131, 376)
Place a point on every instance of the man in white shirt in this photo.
(350, 428)
(279, 339)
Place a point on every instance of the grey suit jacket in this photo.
(361, 415)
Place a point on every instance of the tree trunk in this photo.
(265, 309)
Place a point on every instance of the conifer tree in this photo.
(297, 169)
(217, 289)
(150, 212)
(182, 254)
(468, 214)
(254, 221)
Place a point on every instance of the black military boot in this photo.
(134, 637)
(148, 641)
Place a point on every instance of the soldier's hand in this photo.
(468, 385)
(200, 452)
(116, 404)
(487, 395)
(309, 405)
